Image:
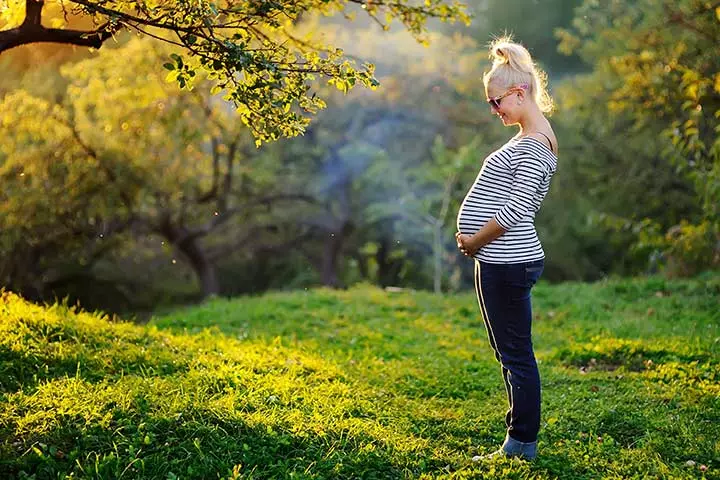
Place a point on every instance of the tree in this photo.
(141, 158)
(657, 62)
(339, 159)
(250, 48)
(613, 176)
(344, 157)
(184, 176)
(57, 202)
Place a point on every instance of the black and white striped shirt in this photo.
(510, 187)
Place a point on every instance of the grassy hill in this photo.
(362, 383)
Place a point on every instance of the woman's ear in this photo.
(520, 96)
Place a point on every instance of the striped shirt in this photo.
(510, 187)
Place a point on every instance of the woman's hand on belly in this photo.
(465, 244)
(470, 244)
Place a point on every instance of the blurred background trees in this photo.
(125, 192)
(656, 79)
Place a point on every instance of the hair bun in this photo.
(498, 54)
(504, 51)
(513, 65)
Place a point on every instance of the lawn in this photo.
(362, 383)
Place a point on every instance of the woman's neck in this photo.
(534, 122)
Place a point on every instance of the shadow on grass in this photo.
(194, 443)
(612, 353)
(21, 370)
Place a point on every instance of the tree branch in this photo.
(32, 33)
(92, 153)
(224, 216)
(247, 241)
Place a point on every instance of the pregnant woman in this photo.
(496, 228)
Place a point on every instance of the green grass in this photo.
(362, 383)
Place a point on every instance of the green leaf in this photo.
(169, 66)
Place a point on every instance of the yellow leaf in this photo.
(58, 22)
(171, 76)
(12, 13)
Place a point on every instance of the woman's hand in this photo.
(470, 244)
(465, 244)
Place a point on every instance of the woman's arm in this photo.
(470, 244)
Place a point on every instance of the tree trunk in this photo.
(202, 266)
(383, 268)
(388, 273)
(199, 261)
(362, 266)
(331, 253)
(437, 258)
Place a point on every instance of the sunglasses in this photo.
(495, 101)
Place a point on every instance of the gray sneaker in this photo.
(511, 448)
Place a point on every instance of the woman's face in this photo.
(504, 102)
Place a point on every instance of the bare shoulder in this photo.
(547, 138)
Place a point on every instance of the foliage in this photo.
(656, 61)
(251, 49)
(532, 24)
(356, 157)
(615, 187)
(692, 248)
(53, 195)
(179, 160)
(121, 158)
(362, 383)
(100, 160)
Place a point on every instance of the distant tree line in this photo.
(124, 192)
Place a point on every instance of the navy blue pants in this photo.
(503, 293)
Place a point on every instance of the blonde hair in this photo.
(513, 66)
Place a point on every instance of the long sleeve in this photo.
(528, 174)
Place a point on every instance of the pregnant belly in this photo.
(470, 219)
